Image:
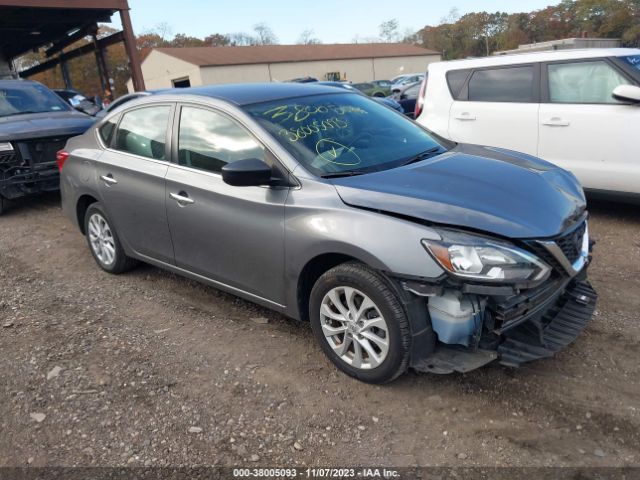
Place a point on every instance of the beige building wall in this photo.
(357, 70)
(387, 68)
(158, 70)
(235, 74)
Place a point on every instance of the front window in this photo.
(633, 60)
(17, 98)
(209, 140)
(343, 133)
(583, 82)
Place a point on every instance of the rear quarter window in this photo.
(512, 84)
(106, 130)
(456, 80)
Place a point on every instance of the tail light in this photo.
(61, 157)
(420, 99)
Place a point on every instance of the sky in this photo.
(332, 21)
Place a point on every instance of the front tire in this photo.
(360, 323)
(104, 243)
(3, 204)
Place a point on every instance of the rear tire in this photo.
(104, 243)
(367, 336)
(3, 204)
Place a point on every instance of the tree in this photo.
(217, 40)
(182, 40)
(389, 30)
(307, 38)
(264, 34)
(241, 39)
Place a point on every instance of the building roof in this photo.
(219, 56)
(29, 24)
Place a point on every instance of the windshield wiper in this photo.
(348, 173)
(422, 156)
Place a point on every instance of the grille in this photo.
(571, 243)
(7, 158)
(44, 150)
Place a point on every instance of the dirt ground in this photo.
(152, 369)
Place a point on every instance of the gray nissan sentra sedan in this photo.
(400, 248)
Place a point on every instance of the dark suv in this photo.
(34, 124)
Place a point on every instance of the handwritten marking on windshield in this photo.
(337, 153)
(294, 134)
(300, 113)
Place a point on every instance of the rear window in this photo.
(514, 84)
(456, 80)
(142, 131)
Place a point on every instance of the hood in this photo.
(493, 190)
(46, 124)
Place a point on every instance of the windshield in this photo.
(338, 133)
(28, 98)
(633, 60)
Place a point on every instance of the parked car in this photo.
(78, 101)
(303, 80)
(402, 249)
(34, 124)
(386, 84)
(576, 108)
(124, 99)
(407, 97)
(403, 80)
(371, 89)
(388, 101)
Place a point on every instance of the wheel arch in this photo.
(315, 267)
(82, 205)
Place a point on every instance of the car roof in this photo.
(248, 93)
(532, 57)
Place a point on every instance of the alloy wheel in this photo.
(354, 327)
(101, 239)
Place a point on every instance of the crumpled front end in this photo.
(479, 323)
(29, 166)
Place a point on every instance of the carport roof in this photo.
(29, 24)
(219, 56)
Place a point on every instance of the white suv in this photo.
(579, 109)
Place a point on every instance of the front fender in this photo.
(317, 222)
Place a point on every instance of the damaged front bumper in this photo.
(479, 324)
(539, 336)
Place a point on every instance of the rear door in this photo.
(131, 180)
(233, 235)
(498, 106)
(584, 130)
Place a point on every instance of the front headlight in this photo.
(484, 259)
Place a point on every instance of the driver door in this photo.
(232, 235)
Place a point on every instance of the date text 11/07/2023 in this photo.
(316, 473)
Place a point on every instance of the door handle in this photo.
(182, 198)
(465, 117)
(556, 122)
(108, 179)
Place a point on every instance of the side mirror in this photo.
(627, 93)
(247, 173)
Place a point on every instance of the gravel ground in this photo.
(152, 369)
